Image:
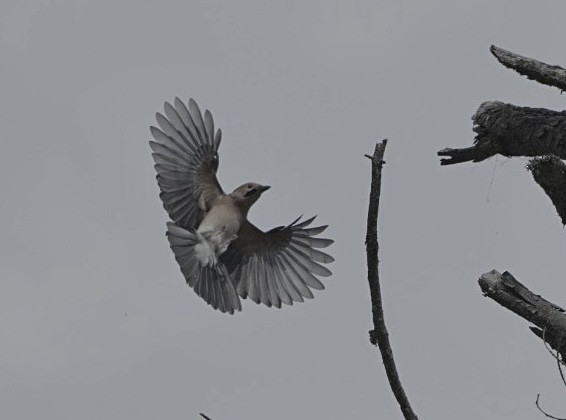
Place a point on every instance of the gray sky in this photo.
(96, 321)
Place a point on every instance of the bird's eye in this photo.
(250, 186)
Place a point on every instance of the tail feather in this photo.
(211, 282)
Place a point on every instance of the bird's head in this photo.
(248, 193)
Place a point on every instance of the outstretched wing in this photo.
(185, 152)
(279, 266)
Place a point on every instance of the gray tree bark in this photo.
(511, 130)
(379, 335)
(549, 318)
(546, 74)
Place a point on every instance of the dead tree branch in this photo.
(550, 173)
(510, 293)
(512, 130)
(544, 412)
(534, 70)
(379, 334)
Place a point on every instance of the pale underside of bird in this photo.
(221, 254)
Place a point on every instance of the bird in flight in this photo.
(222, 255)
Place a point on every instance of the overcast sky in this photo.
(96, 321)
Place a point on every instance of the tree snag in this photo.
(511, 130)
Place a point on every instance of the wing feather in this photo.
(314, 254)
(209, 126)
(296, 279)
(253, 290)
(186, 159)
(188, 120)
(278, 266)
(309, 279)
(196, 116)
(286, 281)
(309, 264)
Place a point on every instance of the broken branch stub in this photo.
(546, 74)
(512, 130)
(513, 295)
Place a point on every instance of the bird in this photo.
(222, 255)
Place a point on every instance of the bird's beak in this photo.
(264, 188)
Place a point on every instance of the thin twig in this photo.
(556, 356)
(379, 334)
(544, 412)
(205, 416)
(559, 364)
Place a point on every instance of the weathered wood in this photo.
(512, 130)
(550, 173)
(546, 74)
(379, 334)
(510, 293)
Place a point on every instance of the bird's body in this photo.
(221, 224)
(221, 254)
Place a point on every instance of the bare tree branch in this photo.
(556, 356)
(550, 173)
(535, 70)
(510, 293)
(512, 130)
(205, 416)
(379, 334)
(544, 412)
